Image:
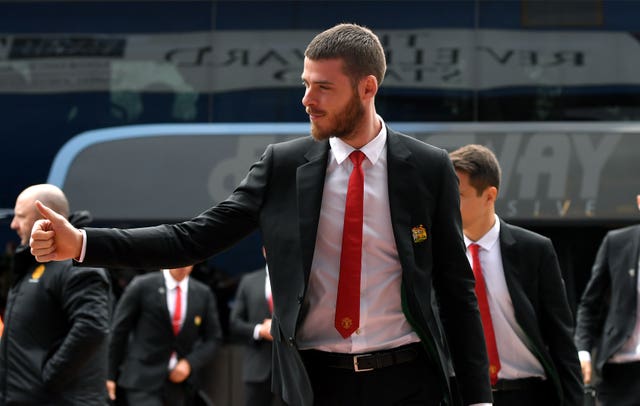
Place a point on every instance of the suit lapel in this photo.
(509, 257)
(401, 180)
(192, 306)
(632, 268)
(162, 293)
(310, 183)
(511, 268)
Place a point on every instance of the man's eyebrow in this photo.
(318, 82)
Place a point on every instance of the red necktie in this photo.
(485, 314)
(347, 318)
(177, 310)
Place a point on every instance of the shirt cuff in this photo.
(84, 246)
(584, 356)
(256, 332)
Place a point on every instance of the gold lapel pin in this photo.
(419, 234)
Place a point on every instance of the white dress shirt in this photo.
(170, 285)
(382, 322)
(267, 295)
(516, 361)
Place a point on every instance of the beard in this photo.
(345, 122)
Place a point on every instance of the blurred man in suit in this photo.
(165, 329)
(609, 320)
(251, 321)
(525, 313)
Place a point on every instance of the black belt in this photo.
(364, 362)
(519, 384)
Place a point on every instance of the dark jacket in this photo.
(607, 310)
(142, 339)
(282, 197)
(540, 305)
(54, 346)
(249, 309)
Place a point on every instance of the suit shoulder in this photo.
(67, 271)
(623, 233)
(199, 285)
(523, 234)
(90, 271)
(291, 154)
(146, 279)
(301, 143)
(417, 145)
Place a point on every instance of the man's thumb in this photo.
(46, 212)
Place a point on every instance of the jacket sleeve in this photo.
(240, 325)
(210, 335)
(454, 286)
(124, 320)
(85, 301)
(557, 321)
(593, 304)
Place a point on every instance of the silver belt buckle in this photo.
(355, 363)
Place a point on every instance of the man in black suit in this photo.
(608, 320)
(402, 239)
(528, 315)
(165, 329)
(251, 321)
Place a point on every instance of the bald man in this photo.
(54, 345)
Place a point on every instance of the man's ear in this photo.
(368, 87)
(491, 193)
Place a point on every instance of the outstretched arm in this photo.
(53, 238)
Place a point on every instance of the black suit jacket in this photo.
(140, 361)
(537, 291)
(250, 307)
(607, 310)
(282, 196)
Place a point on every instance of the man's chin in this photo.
(318, 134)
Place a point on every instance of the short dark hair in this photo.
(480, 163)
(358, 47)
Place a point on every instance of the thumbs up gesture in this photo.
(53, 238)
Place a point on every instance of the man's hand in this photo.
(181, 371)
(586, 371)
(111, 389)
(265, 330)
(54, 238)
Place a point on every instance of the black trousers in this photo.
(170, 395)
(525, 392)
(259, 394)
(413, 383)
(620, 385)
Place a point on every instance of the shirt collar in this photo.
(489, 239)
(372, 150)
(171, 283)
